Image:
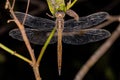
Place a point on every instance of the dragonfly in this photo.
(70, 31)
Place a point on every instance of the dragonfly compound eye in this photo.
(60, 14)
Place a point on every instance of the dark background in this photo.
(12, 68)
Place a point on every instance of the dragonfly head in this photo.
(60, 14)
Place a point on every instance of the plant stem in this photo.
(15, 54)
(45, 45)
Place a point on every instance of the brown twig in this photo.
(28, 3)
(110, 19)
(27, 43)
(101, 51)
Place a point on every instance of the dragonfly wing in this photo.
(35, 36)
(35, 22)
(86, 22)
(90, 35)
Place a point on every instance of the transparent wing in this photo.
(90, 35)
(86, 22)
(35, 22)
(35, 36)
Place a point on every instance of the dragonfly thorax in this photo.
(60, 14)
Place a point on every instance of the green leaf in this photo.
(59, 5)
(56, 5)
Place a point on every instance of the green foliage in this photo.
(59, 5)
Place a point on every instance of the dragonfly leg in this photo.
(72, 14)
